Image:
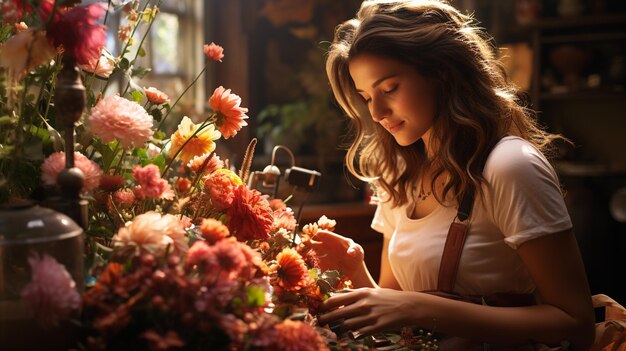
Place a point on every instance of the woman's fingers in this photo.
(344, 298)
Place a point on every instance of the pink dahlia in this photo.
(158, 341)
(284, 219)
(325, 223)
(147, 231)
(76, 30)
(230, 258)
(156, 96)
(200, 254)
(297, 336)
(250, 215)
(25, 51)
(116, 118)
(124, 198)
(150, 184)
(199, 164)
(102, 66)
(55, 163)
(175, 229)
(110, 182)
(214, 52)
(51, 294)
(231, 117)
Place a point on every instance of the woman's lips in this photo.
(395, 127)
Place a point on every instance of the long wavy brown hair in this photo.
(476, 105)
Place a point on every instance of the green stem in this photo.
(117, 146)
(119, 164)
(123, 52)
(180, 96)
(141, 43)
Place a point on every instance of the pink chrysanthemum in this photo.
(156, 96)
(200, 254)
(111, 183)
(231, 117)
(25, 51)
(220, 185)
(250, 215)
(297, 336)
(168, 341)
(325, 223)
(198, 165)
(214, 52)
(175, 228)
(213, 230)
(51, 294)
(234, 327)
(277, 204)
(150, 184)
(115, 118)
(230, 258)
(284, 219)
(76, 29)
(55, 163)
(147, 231)
(124, 198)
(102, 66)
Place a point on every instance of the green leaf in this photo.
(159, 161)
(157, 114)
(124, 64)
(255, 296)
(140, 72)
(331, 277)
(141, 52)
(137, 96)
(7, 120)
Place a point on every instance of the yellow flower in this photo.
(234, 178)
(201, 143)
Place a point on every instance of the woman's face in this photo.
(398, 97)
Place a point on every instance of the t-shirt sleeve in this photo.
(383, 219)
(525, 197)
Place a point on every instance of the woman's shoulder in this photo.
(514, 156)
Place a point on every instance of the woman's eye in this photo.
(390, 90)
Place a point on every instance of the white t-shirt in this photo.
(522, 202)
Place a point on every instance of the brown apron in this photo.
(448, 269)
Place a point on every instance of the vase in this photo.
(28, 230)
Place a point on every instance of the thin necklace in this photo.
(423, 195)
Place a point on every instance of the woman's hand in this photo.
(338, 252)
(368, 311)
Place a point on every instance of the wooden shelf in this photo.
(582, 37)
(578, 21)
(583, 95)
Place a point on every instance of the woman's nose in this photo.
(379, 110)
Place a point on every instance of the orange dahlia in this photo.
(291, 272)
(250, 215)
(230, 115)
(213, 230)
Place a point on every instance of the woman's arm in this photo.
(565, 312)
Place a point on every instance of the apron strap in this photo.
(454, 244)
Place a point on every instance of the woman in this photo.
(435, 118)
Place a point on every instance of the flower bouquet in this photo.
(180, 253)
